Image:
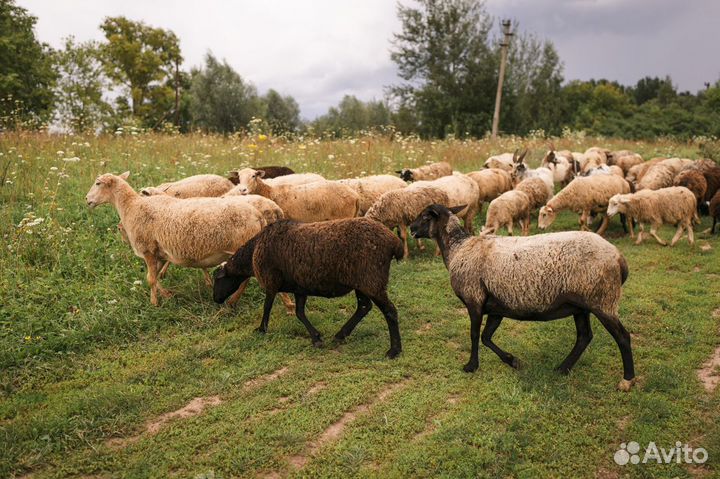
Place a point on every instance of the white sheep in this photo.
(461, 190)
(371, 188)
(194, 232)
(521, 171)
(291, 179)
(562, 164)
(492, 182)
(675, 205)
(426, 172)
(511, 206)
(317, 201)
(191, 187)
(503, 161)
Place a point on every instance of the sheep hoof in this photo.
(514, 363)
(625, 385)
(317, 342)
(470, 367)
(392, 353)
(260, 330)
(339, 339)
(165, 293)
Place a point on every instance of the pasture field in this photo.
(96, 382)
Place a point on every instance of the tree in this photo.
(220, 100)
(26, 70)
(80, 105)
(281, 113)
(143, 59)
(353, 115)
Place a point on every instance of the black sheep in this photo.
(328, 259)
(270, 172)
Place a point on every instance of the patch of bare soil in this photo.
(316, 388)
(260, 380)
(434, 420)
(705, 247)
(716, 313)
(709, 373)
(424, 328)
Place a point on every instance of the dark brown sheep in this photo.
(712, 177)
(328, 259)
(715, 210)
(694, 181)
(270, 172)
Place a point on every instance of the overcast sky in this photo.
(320, 50)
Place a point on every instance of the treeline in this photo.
(447, 57)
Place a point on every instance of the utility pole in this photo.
(177, 92)
(503, 59)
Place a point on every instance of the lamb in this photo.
(427, 172)
(507, 208)
(562, 164)
(534, 278)
(318, 201)
(624, 159)
(192, 187)
(715, 210)
(520, 172)
(584, 194)
(491, 182)
(503, 161)
(328, 259)
(636, 173)
(397, 208)
(461, 190)
(371, 188)
(675, 205)
(291, 179)
(537, 190)
(194, 232)
(693, 180)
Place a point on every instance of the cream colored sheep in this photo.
(594, 157)
(636, 173)
(269, 210)
(537, 190)
(521, 171)
(677, 164)
(507, 208)
(675, 206)
(584, 195)
(491, 182)
(562, 164)
(371, 188)
(503, 161)
(607, 170)
(194, 232)
(426, 172)
(308, 203)
(191, 187)
(292, 179)
(461, 190)
(658, 176)
(398, 208)
(624, 159)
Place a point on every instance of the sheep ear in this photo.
(125, 175)
(144, 192)
(260, 173)
(457, 209)
(398, 172)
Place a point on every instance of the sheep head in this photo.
(546, 217)
(618, 204)
(432, 219)
(102, 191)
(248, 180)
(405, 174)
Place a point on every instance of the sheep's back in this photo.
(492, 182)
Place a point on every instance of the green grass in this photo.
(84, 358)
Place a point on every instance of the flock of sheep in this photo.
(339, 238)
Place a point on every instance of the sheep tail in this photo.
(624, 271)
(398, 250)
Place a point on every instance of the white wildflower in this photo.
(72, 159)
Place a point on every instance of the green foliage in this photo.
(26, 69)
(281, 113)
(220, 100)
(352, 116)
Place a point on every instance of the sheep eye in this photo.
(97, 183)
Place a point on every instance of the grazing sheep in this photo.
(704, 165)
(534, 278)
(715, 210)
(658, 176)
(269, 210)
(584, 194)
(520, 172)
(507, 208)
(594, 157)
(624, 159)
(712, 177)
(537, 190)
(427, 172)
(194, 232)
(562, 164)
(397, 208)
(371, 188)
(503, 161)
(191, 187)
(491, 182)
(606, 170)
(461, 190)
(636, 173)
(675, 205)
(327, 259)
(317, 201)
(291, 179)
(678, 164)
(693, 180)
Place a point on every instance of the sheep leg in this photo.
(525, 226)
(584, 336)
(712, 231)
(603, 225)
(584, 220)
(300, 300)
(364, 305)
(641, 230)
(206, 275)
(510, 228)
(678, 234)
(267, 307)
(691, 234)
(164, 268)
(236, 295)
(622, 338)
(492, 324)
(476, 316)
(391, 317)
(152, 278)
(288, 302)
(653, 233)
(630, 221)
(402, 230)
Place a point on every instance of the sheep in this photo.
(636, 173)
(318, 201)
(520, 172)
(370, 188)
(461, 190)
(675, 205)
(275, 171)
(491, 182)
(594, 157)
(328, 259)
(507, 208)
(503, 161)
(606, 170)
(534, 278)
(291, 179)
(693, 180)
(397, 208)
(703, 165)
(269, 210)
(712, 177)
(537, 190)
(584, 194)
(426, 172)
(624, 159)
(658, 176)
(562, 164)
(677, 164)
(191, 187)
(194, 232)
(715, 210)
